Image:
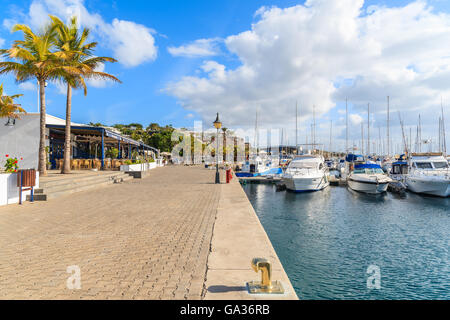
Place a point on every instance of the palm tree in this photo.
(36, 60)
(7, 106)
(76, 54)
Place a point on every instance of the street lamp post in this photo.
(217, 125)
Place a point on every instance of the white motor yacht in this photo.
(429, 174)
(306, 173)
(368, 178)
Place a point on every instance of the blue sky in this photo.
(155, 89)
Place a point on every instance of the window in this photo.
(303, 165)
(440, 165)
(423, 165)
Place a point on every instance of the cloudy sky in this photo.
(182, 61)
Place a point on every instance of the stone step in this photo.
(81, 183)
(37, 197)
(78, 185)
(64, 180)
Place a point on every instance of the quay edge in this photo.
(238, 237)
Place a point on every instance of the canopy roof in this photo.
(367, 166)
(98, 132)
(354, 157)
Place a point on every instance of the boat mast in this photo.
(346, 126)
(362, 138)
(296, 127)
(388, 144)
(405, 144)
(444, 142)
(420, 134)
(368, 129)
(331, 135)
(410, 140)
(314, 131)
(256, 140)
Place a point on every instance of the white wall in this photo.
(21, 141)
(9, 193)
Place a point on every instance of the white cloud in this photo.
(197, 48)
(132, 43)
(29, 86)
(355, 119)
(301, 52)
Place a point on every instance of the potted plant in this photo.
(12, 164)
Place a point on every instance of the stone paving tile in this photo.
(143, 239)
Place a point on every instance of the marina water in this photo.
(327, 240)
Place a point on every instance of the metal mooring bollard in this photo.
(266, 285)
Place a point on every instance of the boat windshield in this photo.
(302, 165)
(440, 165)
(424, 165)
(368, 171)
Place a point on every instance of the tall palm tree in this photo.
(35, 60)
(76, 53)
(7, 106)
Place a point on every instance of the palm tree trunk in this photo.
(67, 144)
(42, 166)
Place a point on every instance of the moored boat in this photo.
(306, 173)
(429, 174)
(368, 178)
(260, 167)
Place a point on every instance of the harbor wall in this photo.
(238, 237)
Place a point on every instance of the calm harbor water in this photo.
(327, 240)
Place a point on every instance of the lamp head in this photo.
(217, 123)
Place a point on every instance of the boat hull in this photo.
(367, 187)
(437, 187)
(306, 184)
(271, 171)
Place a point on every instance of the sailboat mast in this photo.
(346, 126)
(368, 129)
(314, 131)
(379, 141)
(444, 142)
(362, 138)
(256, 140)
(420, 134)
(331, 137)
(388, 142)
(296, 127)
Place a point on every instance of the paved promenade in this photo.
(144, 239)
